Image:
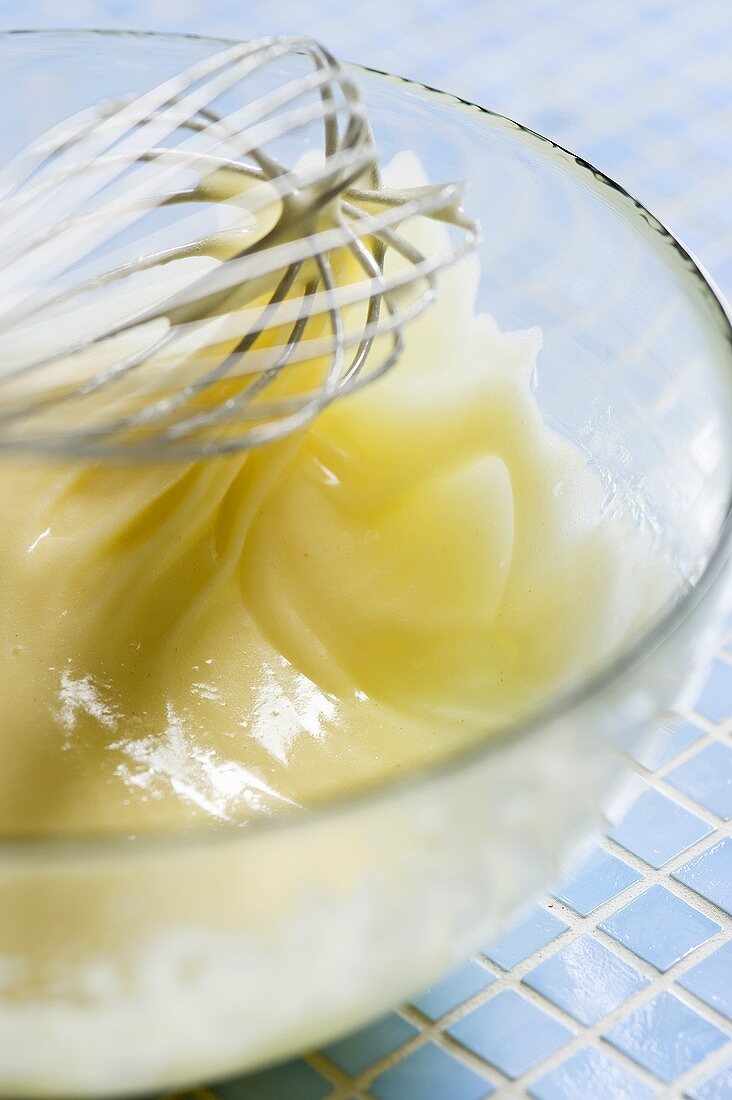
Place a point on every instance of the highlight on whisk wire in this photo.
(206, 264)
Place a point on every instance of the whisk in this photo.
(205, 266)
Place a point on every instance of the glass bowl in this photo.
(128, 965)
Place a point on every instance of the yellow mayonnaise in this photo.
(227, 637)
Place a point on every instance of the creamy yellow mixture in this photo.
(227, 637)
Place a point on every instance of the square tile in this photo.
(711, 980)
(586, 979)
(707, 778)
(659, 927)
(510, 1033)
(715, 698)
(598, 878)
(429, 1074)
(454, 989)
(357, 1052)
(527, 935)
(718, 1086)
(590, 1075)
(281, 1083)
(710, 874)
(666, 1037)
(666, 742)
(656, 828)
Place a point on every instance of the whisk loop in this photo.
(204, 267)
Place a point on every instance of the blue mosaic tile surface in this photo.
(524, 938)
(491, 1032)
(590, 1073)
(716, 1087)
(455, 989)
(666, 1037)
(431, 1074)
(710, 874)
(599, 878)
(711, 980)
(659, 927)
(671, 739)
(618, 987)
(370, 1045)
(586, 979)
(707, 779)
(656, 828)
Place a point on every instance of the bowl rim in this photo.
(559, 704)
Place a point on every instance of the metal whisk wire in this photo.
(197, 339)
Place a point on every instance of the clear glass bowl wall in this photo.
(131, 965)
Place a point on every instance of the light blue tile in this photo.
(608, 153)
(707, 778)
(429, 1074)
(666, 742)
(296, 1079)
(666, 1037)
(659, 927)
(672, 182)
(586, 979)
(711, 980)
(656, 828)
(511, 1033)
(356, 1052)
(710, 874)
(590, 1075)
(664, 122)
(715, 698)
(598, 878)
(717, 95)
(454, 989)
(551, 122)
(527, 935)
(722, 271)
(717, 1086)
